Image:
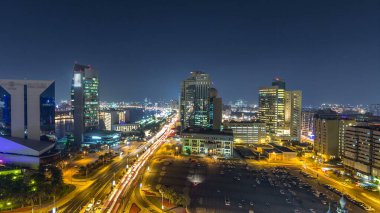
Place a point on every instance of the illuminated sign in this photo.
(77, 80)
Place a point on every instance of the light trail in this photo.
(113, 202)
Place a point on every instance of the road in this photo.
(101, 187)
(121, 193)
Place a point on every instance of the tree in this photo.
(57, 179)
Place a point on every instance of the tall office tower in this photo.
(215, 110)
(279, 83)
(307, 123)
(27, 109)
(375, 109)
(272, 109)
(85, 100)
(194, 100)
(293, 109)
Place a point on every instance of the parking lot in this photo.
(227, 186)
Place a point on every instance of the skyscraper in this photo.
(293, 116)
(215, 110)
(84, 100)
(199, 104)
(272, 109)
(281, 111)
(27, 109)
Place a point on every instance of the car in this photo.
(98, 203)
(312, 211)
(89, 207)
(239, 205)
(251, 203)
(227, 202)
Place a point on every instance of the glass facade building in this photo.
(47, 110)
(198, 102)
(84, 101)
(5, 112)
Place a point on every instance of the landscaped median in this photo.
(92, 168)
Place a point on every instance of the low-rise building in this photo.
(247, 132)
(207, 141)
(101, 137)
(127, 128)
(26, 152)
(280, 153)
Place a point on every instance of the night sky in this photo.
(329, 49)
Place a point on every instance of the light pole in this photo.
(162, 201)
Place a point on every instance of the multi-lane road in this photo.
(101, 186)
(120, 195)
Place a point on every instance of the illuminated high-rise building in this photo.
(272, 109)
(293, 113)
(199, 104)
(85, 100)
(281, 110)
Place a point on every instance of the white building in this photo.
(27, 119)
(247, 132)
(131, 127)
(207, 141)
(27, 108)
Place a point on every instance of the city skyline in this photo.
(243, 46)
(189, 106)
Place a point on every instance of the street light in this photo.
(162, 201)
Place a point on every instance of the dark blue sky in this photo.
(329, 49)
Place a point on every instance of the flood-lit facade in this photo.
(272, 109)
(27, 108)
(198, 141)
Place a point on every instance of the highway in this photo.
(102, 183)
(120, 194)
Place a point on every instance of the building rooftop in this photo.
(198, 130)
(101, 133)
(281, 148)
(13, 145)
(244, 122)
